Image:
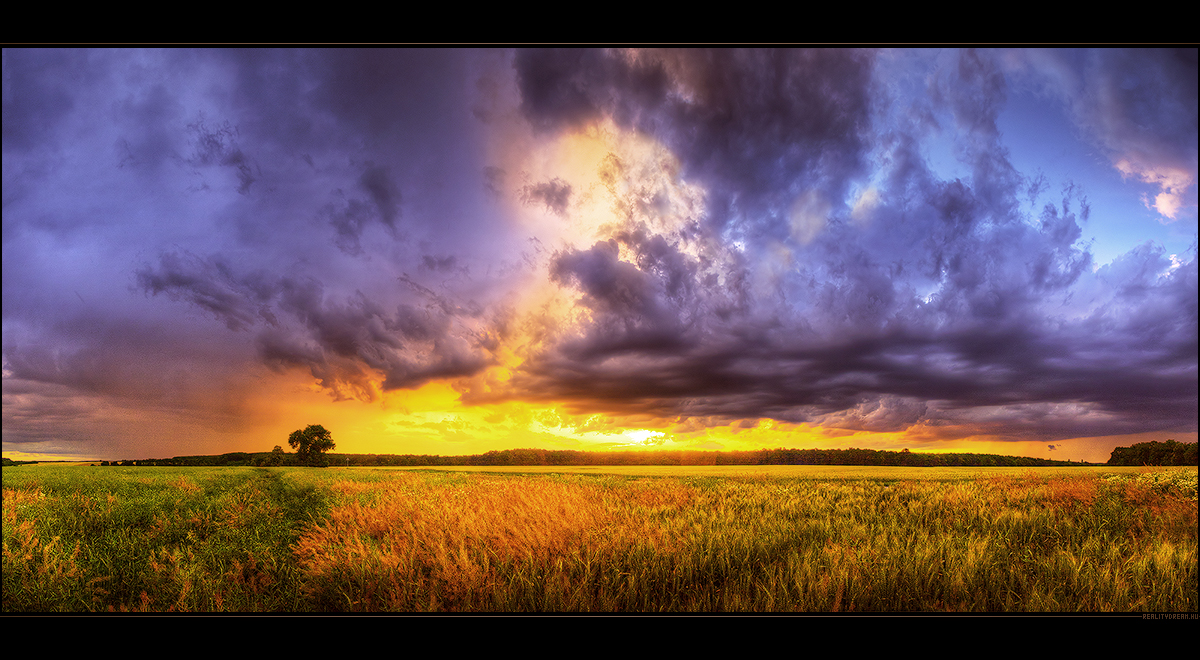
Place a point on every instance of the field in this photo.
(647, 539)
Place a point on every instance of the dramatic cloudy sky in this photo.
(453, 251)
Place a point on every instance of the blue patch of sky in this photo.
(1040, 137)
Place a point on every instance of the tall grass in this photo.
(487, 542)
(231, 539)
(163, 539)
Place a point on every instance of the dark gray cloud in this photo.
(343, 342)
(376, 181)
(350, 216)
(212, 285)
(217, 145)
(554, 194)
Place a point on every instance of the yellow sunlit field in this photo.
(604, 539)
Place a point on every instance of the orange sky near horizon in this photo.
(431, 420)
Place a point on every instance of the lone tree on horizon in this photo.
(311, 445)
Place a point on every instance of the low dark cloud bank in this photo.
(335, 212)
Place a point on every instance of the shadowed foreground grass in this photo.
(153, 539)
(291, 539)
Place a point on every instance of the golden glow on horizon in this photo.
(433, 420)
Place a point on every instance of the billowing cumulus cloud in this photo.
(678, 239)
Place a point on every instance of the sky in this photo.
(456, 251)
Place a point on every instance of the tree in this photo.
(311, 445)
(1155, 453)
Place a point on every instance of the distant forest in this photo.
(571, 457)
(1155, 453)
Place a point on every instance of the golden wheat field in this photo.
(622, 540)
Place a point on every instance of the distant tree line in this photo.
(573, 457)
(276, 457)
(1155, 453)
(757, 457)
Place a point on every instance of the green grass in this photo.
(184, 539)
(611, 539)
